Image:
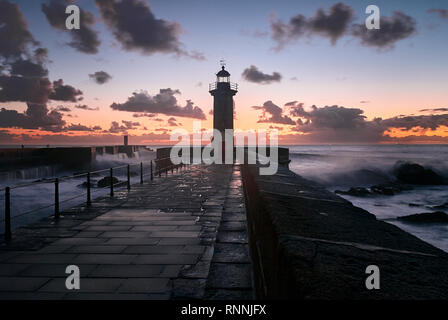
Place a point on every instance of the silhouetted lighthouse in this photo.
(223, 91)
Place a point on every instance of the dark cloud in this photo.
(36, 116)
(81, 127)
(115, 127)
(164, 102)
(136, 28)
(86, 107)
(131, 124)
(332, 25)
(252, 74)
(100, 77)
(15, 37)
(34, 90)
(140, 115)
(442, 13)
(172, 122)
(273, 114)
(27, 68)
(333, 117)
(283, 33)
(83, 139)
(84, 39)
(349, 125)
(392, 29)
(337, 23)
(63, 92)
(425, 121)
(63, 109)
(291, 103)
(435, 110)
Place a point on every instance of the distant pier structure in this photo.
(125, 140)
(223, 91)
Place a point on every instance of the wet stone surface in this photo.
(164, 239)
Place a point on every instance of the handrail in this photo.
(214, 85)
(58, 180)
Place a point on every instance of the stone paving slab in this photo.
(154, 242)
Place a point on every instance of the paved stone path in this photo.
(174, 238)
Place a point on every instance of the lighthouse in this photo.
(223, 91)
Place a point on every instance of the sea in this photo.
(335, 167)
(340, 167)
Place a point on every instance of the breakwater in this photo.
(308, 243)
(69, 157)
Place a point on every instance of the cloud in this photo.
(63, 92)
(333, 117)
(392, 29)
(15, 37)
(100, 77)
(172, 122)
(252, 74)
(81, 127)
(33, 90)
(164, 102)
(424, 121)
(27, 68)
(36, 116)
(338, 124)
(273, 114)
(131, 124)
(291, 103)
(86, 107)
(284, 33)
(435, 110)
(84, 39)
(63, 109)
(332, 25)
(337, 23)
(115, 127)
(137, 29)
(442, 13)
(82, 139)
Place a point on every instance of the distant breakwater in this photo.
(67, 157)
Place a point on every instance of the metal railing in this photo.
(112, 183)
(214, 85)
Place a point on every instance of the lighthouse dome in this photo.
(223, 73)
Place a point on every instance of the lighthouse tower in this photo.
(223, 91)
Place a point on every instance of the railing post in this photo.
(56, 198)
(111, 183)
(129, 177)
(152, 176)
(7, 214)
(89, 200)
(141, 172)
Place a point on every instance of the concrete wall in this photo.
(308, 243)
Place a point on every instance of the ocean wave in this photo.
(353, 173)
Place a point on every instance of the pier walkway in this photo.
(183, 236)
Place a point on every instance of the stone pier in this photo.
(180, 237)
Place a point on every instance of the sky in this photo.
(309, 69)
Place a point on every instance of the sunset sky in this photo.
(311, 69)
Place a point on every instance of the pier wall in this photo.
(71, 157)
(308, 243)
